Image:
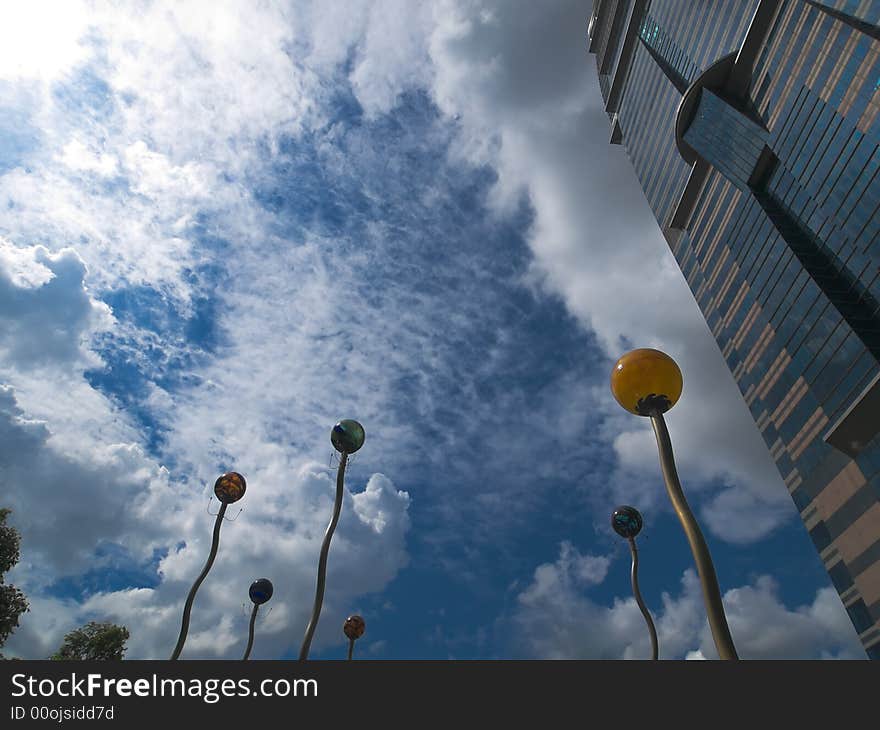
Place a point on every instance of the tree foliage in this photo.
(12, 601)
(94, 641)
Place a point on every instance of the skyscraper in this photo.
(753, 128)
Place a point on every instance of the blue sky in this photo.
(227, 226)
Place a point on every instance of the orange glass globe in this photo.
(230, 487)
(354, 627)
(646, 381)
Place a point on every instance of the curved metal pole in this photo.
(350, 648)
(322, 561)
(705, 568)
(187, 607)
(638, 594)
(247, 651)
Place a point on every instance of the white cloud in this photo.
(80, 477)
(79, 157)
(555, 618)
(41, 630)
(522, 78)
(50, 318)
(45, 310)
(391, 54)
(66, 502)
(367, 552)
(40, 39)
(571, 572)
(738, 516)
(204, 84)
(169, 104)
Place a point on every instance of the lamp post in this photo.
(228, 488)
(353, 628)
(260, 591)
(648, 383)
(347, 437)
(627, 522)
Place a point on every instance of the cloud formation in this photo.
(555, 617)
(46, 313)
(95, 508)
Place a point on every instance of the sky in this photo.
(227, 225)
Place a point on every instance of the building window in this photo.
(840, 577)
(671, 59)
(859, 615)
(820, 536)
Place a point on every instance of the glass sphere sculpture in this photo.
(347, 436)
(261, 590)
(626, 521)
(646, 382)
(230, 487)
(354, 627)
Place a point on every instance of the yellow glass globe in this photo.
(646, 381)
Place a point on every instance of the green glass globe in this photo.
(347, 436)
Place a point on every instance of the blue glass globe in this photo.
(261, 590)
(626, 521)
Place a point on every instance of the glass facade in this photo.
(768, 165)
(726, 138)
(608, 32)
(671, 58)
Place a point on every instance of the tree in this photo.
(12, 601)
(94, 641)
